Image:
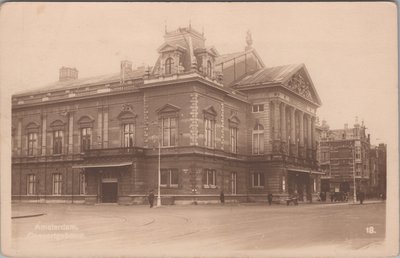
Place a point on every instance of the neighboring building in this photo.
(345, 158)
(377, 183)
(222, 122)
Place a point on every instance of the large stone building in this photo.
(377, 183)
(222, 122)
(345, 159)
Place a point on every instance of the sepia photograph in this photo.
(199, 129)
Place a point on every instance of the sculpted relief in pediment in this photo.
(300, 85)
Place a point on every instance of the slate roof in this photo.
(270, 75)
(227, 57)
(275, 75)
(84, 82)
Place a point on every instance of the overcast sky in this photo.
(349, 49)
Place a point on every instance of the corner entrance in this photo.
(109, 191)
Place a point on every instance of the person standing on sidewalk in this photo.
(151, 198)
(361, 197)
(222, 197)
(270, 198)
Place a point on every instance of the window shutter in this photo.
(204, 176)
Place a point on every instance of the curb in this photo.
(28, 216)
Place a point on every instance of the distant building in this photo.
(221, 121)
(345, 157)
(377, 182)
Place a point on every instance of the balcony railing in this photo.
(47, 158)
(130, 151)
(167, 151)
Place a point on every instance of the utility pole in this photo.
(159, 173)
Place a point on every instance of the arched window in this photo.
(258, 139)
(209, 69)
(168, 65)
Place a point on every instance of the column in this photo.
(44, 134)
(313, 139)
(19, 137)
(301, 134)
(105, 127)
(70, 132)
(283, 128)
(309, 140)
(99, 128)
(276, 144)
(293, 150)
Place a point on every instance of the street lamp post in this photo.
(354, 174)
(154, 138)
(159, 174)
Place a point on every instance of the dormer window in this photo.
(168, 65)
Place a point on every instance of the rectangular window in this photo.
(57, 184)
(169, 131)
(258, 140)
(31, 184)
(258, 179)
(82, 183)
(32, 144)
(258, 108)
(234, 139)
(209, 178)
(86, 136)
(209, 133)
(129, 135)
(169, 178)
(57, 142)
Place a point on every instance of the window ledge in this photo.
(210, 186)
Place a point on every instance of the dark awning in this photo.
(106, 165)
(306, 171)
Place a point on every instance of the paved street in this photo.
(202, 229)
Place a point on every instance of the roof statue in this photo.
(249, 40)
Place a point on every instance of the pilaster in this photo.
(44, 133)
(293, 150)
(194, 123)
(276, 142)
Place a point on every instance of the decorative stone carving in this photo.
(299, 85)
(127, 107)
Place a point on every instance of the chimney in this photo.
(126, 69)
(346, 126)
(67, 74)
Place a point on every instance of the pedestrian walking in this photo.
(270, 198)
(361, 197)
(151, 198)
(222, 197)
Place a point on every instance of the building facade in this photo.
(345, 159)
(377, 183)
(211, 122)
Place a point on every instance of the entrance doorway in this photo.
(109, 192)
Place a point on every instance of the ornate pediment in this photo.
(301, 84)
(86, 121)
(168, 108)
(32, 127)
(168, 47)
(233, 121)
(126, 115)
(210, 111)
(57, 125)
